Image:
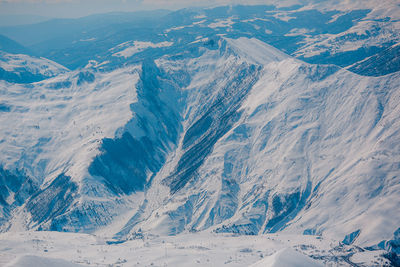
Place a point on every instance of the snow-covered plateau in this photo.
(238, 136)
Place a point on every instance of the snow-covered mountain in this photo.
(18, 65)
(276, 144)
(21, 68)
(206, 126)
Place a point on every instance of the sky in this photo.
(79, 8)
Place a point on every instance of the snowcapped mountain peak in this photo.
(256, 51)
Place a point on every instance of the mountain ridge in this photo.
(212, 132)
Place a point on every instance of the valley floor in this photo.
(191, 249)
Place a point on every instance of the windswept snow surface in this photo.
(19, 68)
(52, 130)
(16, 62)
(29, 261)
(286, 258)
(185, 250)
(255, 51)
(57, 125)
(133, 47)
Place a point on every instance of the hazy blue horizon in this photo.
(81, 8)
(71, 9)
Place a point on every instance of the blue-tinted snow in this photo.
(195, 123)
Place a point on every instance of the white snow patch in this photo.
(19, 62)
(205, 39)
(255, 19)
(298, 31)
(200, 16)
(199, 22)
(31, 260)
(284, 16)
(287, 258)
(222, 23)
(88, 39)
(176, 28)
(134, 47)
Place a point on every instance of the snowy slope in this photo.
(20, 68)
(305, 142)
(185, 250)
(53, 129)
(59, 122)
(286, 258)
(27, 261)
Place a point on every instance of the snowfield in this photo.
(50, 249)
(58, 124)
(133, 47)
(19, 62)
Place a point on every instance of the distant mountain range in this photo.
(19, 19)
